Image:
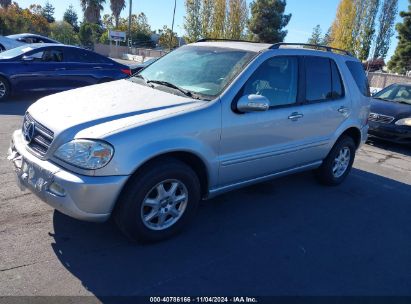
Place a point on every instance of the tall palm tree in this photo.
(5, 3)
(116, 7)
(92, 9)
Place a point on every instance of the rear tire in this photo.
(158, 202)
(4, 89)
(338, 163)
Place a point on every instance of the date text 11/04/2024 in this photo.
(203, 300)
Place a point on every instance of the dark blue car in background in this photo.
(54, 67)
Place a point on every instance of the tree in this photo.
(5, 3)
(219, 19)
(48, 12)
(327, 38)
(268, 20)
(70, 16)
(386, 28)
(64, 32)
(92, 10)
(207, 12)
(236, 19)
(343, 26)
(366, 15)
(192, 23)
(89, 33)
(401, 61)
(16, 20)
(164, 39)
(316, 36)
(116, 7)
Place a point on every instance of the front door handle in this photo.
(61, 69)
(295, 116)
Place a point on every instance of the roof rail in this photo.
(314, 46)
(222, 39)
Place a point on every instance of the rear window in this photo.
(358, 73)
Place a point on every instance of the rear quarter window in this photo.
(358, 73)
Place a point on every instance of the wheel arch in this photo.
(191, 159)
(354, 133)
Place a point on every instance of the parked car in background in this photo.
(8, 44)
(390, 117)
(54, 67)
(205, 119)
(135, 68)
(31, 38)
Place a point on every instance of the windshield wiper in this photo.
(140, 76)
(173, 86)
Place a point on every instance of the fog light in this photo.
(57, 189)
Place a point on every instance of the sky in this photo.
(305, 14)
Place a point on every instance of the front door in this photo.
(261, 143)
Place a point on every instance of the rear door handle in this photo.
(343, 110)
(61, 69)
(295, 116)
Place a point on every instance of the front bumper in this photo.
(391, 132)
(89, 198)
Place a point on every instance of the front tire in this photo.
(338, 163)
(158, 202)
(4, 89)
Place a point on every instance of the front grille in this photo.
(381, 118)
(41, 137)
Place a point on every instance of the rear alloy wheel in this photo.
(338, 163)
(158, 201)
(4, 89)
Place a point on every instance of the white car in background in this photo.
(7, 43)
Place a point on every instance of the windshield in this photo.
(396, 93)
(201, 70)
(16, 52)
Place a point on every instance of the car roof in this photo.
(239, 45)
(295, 48)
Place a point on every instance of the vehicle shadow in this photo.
(17, 105)
(389, 146)
(289, 236)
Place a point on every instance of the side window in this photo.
(358, 73)
(337, 84)
(318, 79)
(49, 55)
(277, 80)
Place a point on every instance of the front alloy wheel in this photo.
(158, 201)
(164, 205)
(4, 89)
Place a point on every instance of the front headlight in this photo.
(404, 122)
(86, 154)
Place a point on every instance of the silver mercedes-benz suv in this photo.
(205, 119)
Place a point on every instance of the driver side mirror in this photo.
(27, 58)
(253, 103)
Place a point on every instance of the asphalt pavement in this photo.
(289, 236)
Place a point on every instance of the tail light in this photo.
(126, 71)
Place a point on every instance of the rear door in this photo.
(327, 104)
(87, 68)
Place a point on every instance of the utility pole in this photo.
(129, 24)
(172, 25)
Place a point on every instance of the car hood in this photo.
(394, 109)
(101, 109)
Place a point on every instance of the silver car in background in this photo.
(205, 119)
